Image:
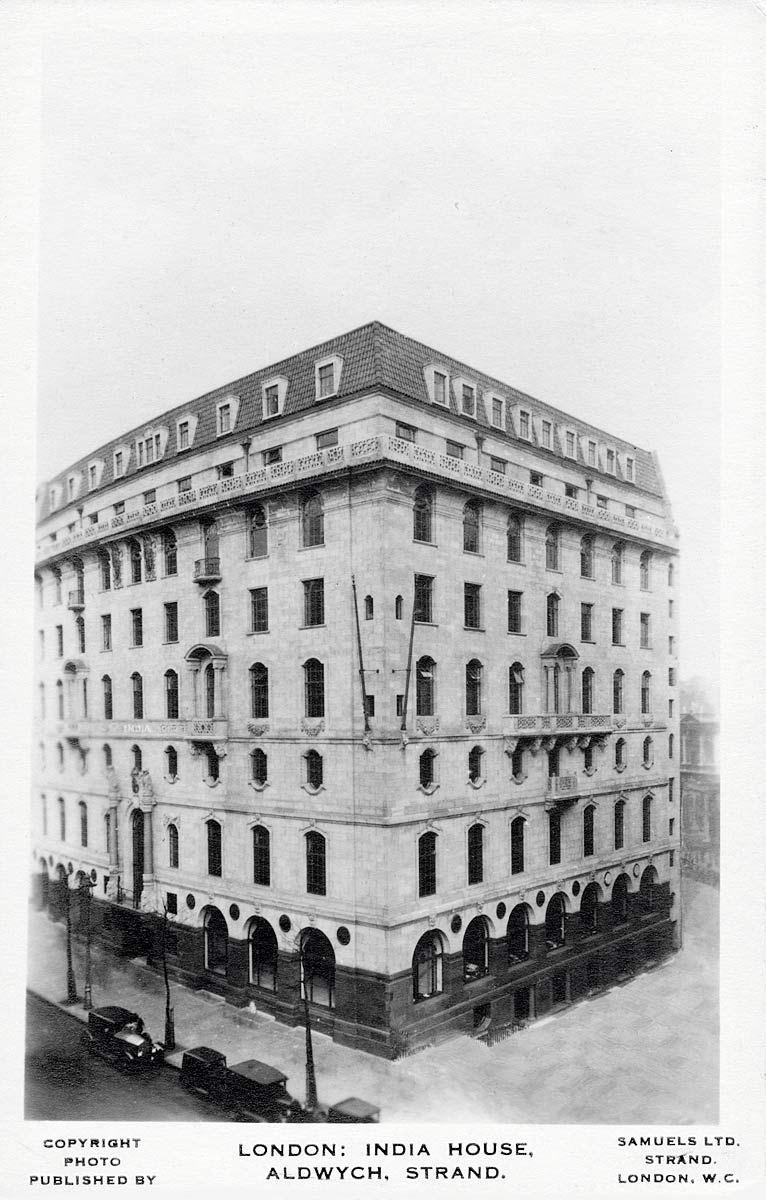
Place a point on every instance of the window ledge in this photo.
(474, 629)
(621, 768)
(516, 633)
(255, 557)
(211, 783)
(256, 632)
(315, 546)
(519, 778)
(171, 779)
(258, 787)
(428, 789)
(321, 625)
(313, 791)
(589, 771)
(476, 783)
(418, 542)
(516, 562)
(474, 553)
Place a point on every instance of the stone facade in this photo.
(311, 862)
(701, 797)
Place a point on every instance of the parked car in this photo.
(253, 1090)
(119, 1036)
(204, 1070)
(353, 1110)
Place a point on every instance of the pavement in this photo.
(644, 1052)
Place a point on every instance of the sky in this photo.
(534, 189)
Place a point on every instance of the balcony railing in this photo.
(373, 449)
(207, 570)
(560, 722)
(561, 785)
(76, 600)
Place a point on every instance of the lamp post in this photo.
(170, 1029)
(86, 886)
(71, 986)
(312, 1099)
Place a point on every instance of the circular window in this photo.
(576, 888)
(93, 876)
(540, 899)
(636, 870)
(456, 924)
(500, 911)
(343, 935)
(234, 912)
(608, 878)
(190, 901)
(285, 924)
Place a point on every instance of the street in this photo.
(63, 1079)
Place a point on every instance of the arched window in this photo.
(587, 758)
(212, 763)
(425, 687)
(517, 934)
(318, 968)
(60, 699)
(137, 684)
(314, 769)
(212, 614)
(83, 811)
(589, 909)
(316, 864)
(56, 572)
(619, 753)
(107, 751)
(620, 900)
(588, 837)
(473, 681)
(138, 758)
(264, 955)
(134, 553)
(369, 608)
(555, 922)
(671, 744)
(618, 554)
(211, 545)
(209, 678)
(313, 675)
(472, 527)
(645, 570)
(62, 819)
(552, 547)
(170, 552)
(515, 536)
(172, 846)
(422, 514)
(516, 689)
(647, 890)
(646, 819)
(619, 825)
(108, 833)
(105, 570)
(171, 762)
(106, 684)
(427, 768)
(476, 949)
(618, 680)
(587, 690)
(259, 691)
(517, 845)
(398, 608)
(312, 519)
(476, 854)
(257, 532)
(261, 856)
(42, 701)
(216, 942)
(670, 574)
(80, 628)
(214, 857)
(648, 752)
(475, 756)
(646, 692)
(427, 864)
(171, 695)
(259, 765)
(427, 967)
(586, 557)
(552, 615)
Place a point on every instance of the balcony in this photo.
(561, 787)
(207, 570)
(76, 600)
(561, 723)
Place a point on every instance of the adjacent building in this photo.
(701, 796)
(363, 669)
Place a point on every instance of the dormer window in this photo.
(497, 412)
(591, 454)
(328, 377)
(610, 459)
(150, 447)
(224, 418)
(467, 393)
(630, 468)
(437, 383)
(95, 470)
(547, 435)
(524, 425)
(226, 415)
(53, 498)
(120, 462)
(72, 487)
(272, 400)
(183, 435)
(570, 444)
(273, 393)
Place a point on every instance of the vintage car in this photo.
(353, 1111)
(204, 1070)
(253, 1090)
(118, 1035)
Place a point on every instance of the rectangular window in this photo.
(106, 631)
(570, 445)
(671, 644)
(571, 491)
(671, 677)
(150, 497)
(272, 400)
(645, 641)
(498, 465)
(400, 705)
(554, 838)
(60, 641)
(472, 605)
(469, 400)
(92, 477)
(185, 484)
(670, 790)
(405, 432)
(514, 612)
(616, 626)
(330, 438)
(630, 512)
(172, 902)
(670, 608)
(586, 622)
(670, 708)
(601, 502)
(93, 518)
(313, 601)
(224, 418)
(171, 621)
(119, 508)
(326, 380)
(423, 599)
(214, 863)
(183, 435)
(137, 626)
(536, 478)
(591, 454)
(274, 455)
(524, 424)
(440, 387)
(454, 449)
(370, 705)
(118, 462)
(610, 461)
(497, 413)
(225, 470)
(547, 435)
(259, 610)
(629, 469)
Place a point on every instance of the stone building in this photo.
(700, 797)
(364, 667)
